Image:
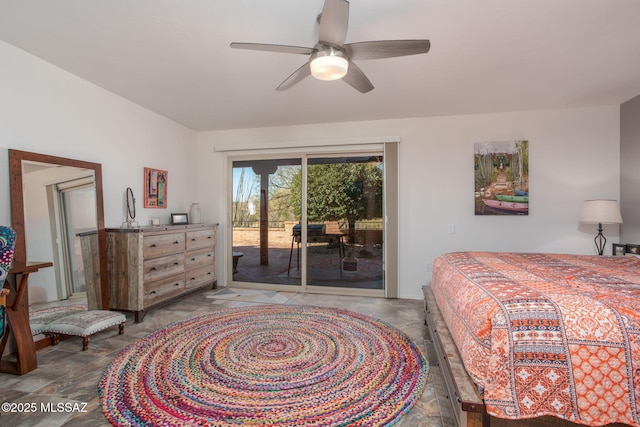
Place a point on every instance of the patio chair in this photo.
(336, 234)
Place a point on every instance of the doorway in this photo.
(74, 205)
(311, 223)
(344, 205)
(263, 217)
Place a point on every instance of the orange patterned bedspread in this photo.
(546, 334)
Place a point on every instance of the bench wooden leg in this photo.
(55, 339)
(121, 328)
(85, 343)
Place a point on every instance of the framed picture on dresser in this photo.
(179, 218)
(619, 249)
(633, 249)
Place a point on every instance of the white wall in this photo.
(630, 170)
(574, 155)
(48, 110)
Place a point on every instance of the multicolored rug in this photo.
(273, 365)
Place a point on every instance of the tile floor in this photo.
(68, 375)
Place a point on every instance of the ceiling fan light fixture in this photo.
(332, 66)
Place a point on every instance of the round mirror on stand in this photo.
(131, 209)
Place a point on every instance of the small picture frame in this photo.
(633, 249)
(179, 218)
(619, 249)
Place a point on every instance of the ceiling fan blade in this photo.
(386, 48)
(356, 78)
(334, 22)
(298, 75)
(273, 48)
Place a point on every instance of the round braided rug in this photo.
(275, 365)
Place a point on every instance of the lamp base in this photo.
(600, 240)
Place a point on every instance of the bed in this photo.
(541, 334)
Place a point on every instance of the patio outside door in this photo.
(262, 221)
(345, 228)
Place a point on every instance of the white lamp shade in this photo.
(601, 212)
(329, 67)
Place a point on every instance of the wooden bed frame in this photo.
(466, 402)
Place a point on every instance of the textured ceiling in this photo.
(173, 57)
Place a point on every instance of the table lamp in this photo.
(600, 212)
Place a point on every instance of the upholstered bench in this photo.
(84, 324)
(40, 319)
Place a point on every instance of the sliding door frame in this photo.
(389, 149)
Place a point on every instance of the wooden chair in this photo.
(336, 234)
(3, 304)
(7, 243)
(334, 228)
(3, 297)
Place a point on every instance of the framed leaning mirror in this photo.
(95, 272)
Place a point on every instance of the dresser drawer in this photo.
(158, 268)
(199, 258)
(162, 244)
(200, 239)
(162, 290)
(200, 276)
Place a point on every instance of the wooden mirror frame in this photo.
(17, 208)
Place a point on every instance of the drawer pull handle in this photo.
(153, 269)
(208, 237)
(152, 292)
(193, 259)
(177, 284)
(176, 242)
(193, 239)
(193, 278)
(176, 263)
(153, 246)
(209, 255)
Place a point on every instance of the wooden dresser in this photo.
(151, 265)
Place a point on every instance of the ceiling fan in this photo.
(330, 58)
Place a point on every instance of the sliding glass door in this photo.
(309, 222)
(344, 216)
(265, 249)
